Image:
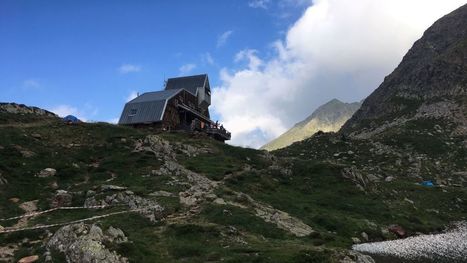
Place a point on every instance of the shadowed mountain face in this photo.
(429, 83)
(328, 118)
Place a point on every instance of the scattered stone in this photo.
(47, 172)
(53, 185)
(409, 201)
(29, 259)
(162, 194)
(27, 153)
(398, 230)
(389, 179)
(61, 198)
(14, 200)
(219, 201)
(29, 206)
(110, 187)
(3, 181)
(36, 136)
(364, 236)
(356, 240)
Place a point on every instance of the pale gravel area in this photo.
(450, 246)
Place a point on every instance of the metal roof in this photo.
(189, 83)
(156, 95)
(147, 108)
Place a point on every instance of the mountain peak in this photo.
(327, 117)
(430, 82)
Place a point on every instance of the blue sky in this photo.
(89, 56)
(271, 63)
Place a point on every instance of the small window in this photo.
(133, 112)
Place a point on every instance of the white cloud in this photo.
(129, 68)
(113, 120)
(31, 84)
(249, 55)
(223, 38)
(206, 58)
(259, 4)
(133, 94)
(84, 113)
(187, 68)
(64, 110)
(337, 49)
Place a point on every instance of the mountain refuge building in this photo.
(182, 105)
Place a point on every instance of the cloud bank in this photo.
(337, 49)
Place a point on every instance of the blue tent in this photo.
(71, 119)
(427, 183)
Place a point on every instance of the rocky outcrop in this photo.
(85, 243)
(328, 118)
(23, 109)
(155, 144)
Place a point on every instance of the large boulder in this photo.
(85, 243)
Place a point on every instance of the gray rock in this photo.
(83, 243)
(109, 187)
(3, 181)
(116, 235)
(161, 193)
(61, 198)
(47, 172)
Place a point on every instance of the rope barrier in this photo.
(58, 208)
(11, 230)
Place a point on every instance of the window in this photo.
(133, 112)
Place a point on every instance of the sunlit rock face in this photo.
(327, 118)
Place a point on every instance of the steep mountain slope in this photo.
(429, 83)
(328, 117)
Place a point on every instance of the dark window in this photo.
(133, 112)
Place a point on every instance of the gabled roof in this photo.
(147, 108)
(189, 83)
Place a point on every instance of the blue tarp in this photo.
(427, 183)
(71, 118)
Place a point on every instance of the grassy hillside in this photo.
(228, 221)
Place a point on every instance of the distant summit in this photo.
(328, 117)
